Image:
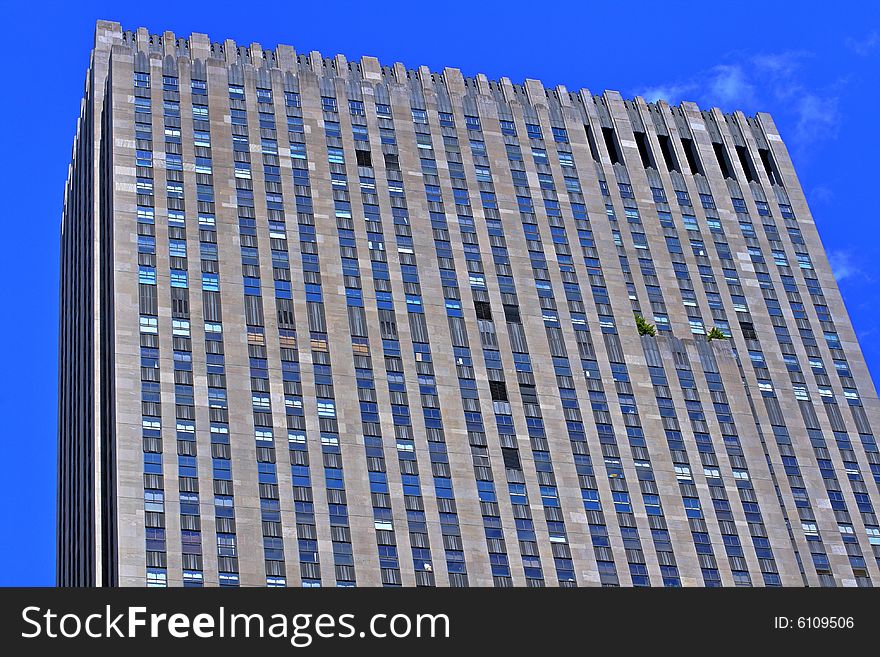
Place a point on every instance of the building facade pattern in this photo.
(333, 323)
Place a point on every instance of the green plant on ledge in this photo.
(715, 334)
(644, 327)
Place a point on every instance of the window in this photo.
(683, 473)
(157, 577)
(748, 330)
(473, 122)
(804, 261)
(178, 278)
(147, 275)
(833, 340)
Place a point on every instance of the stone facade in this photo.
(492, 415)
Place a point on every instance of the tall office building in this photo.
(334, 323)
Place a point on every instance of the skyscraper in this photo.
(334, 323)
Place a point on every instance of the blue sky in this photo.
(814, 67)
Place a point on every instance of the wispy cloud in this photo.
(725, 84)
(843, 264)
(817, 118)
(815, 110)
(781, 64)
(821, 194)
(730, 84)
(864, 334)
(864, 46)
(767, 81)
(671, 93)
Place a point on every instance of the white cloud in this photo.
(730, 86)
(864, 46)
(864, 334)
(781, 64)
(817, 117)
(821, 194)
(767, 81)
(842, 264)
(671, 93)
(725, 84)
(815, 111)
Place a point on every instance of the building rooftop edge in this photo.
(108, 32)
